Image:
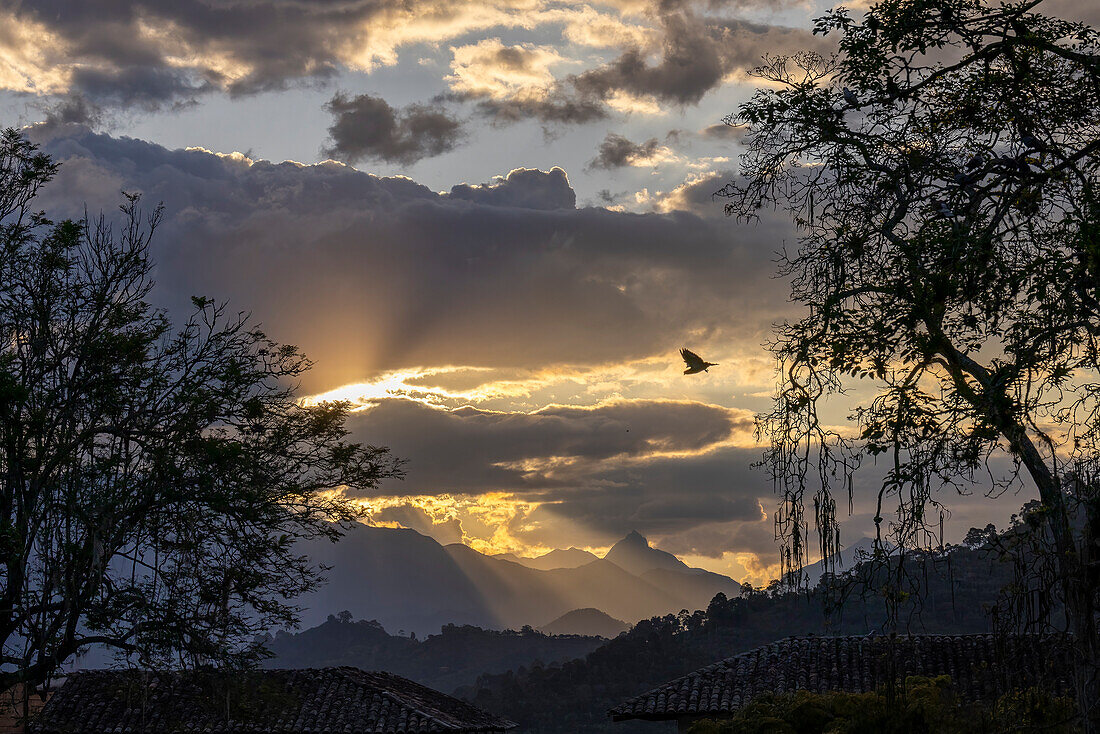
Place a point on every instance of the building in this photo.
(345, 700)
(15, 705)
(982, 667)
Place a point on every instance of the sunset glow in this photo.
(497, 275)
(550, 366)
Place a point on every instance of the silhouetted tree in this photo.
(942, 171)
(154, 481)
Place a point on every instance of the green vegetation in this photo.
(922, 706)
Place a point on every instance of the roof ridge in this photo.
(423, 707)
(348, 670)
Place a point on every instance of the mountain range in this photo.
(409, 582)
(558, 684)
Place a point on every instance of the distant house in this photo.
(308, 701)
(15, 704)
(982, 667)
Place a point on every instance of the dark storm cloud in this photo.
(368, 274)
(73, 109)
(617, 151)
(146, 87)
(371, 274)
(474, 450)
(527, 188)
(697, 54)
(558, 107)
(368, 127)
(712, 540)
(662, 496)
(130, 53)
(613, 467)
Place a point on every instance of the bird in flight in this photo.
(694, 362)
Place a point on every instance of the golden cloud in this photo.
(496, 71)
(626, 103)
(500, 522)
(30, 57)
(486, 522)
(586, 26)
(509, 390)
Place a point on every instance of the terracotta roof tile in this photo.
(980, 666)
(311, 701)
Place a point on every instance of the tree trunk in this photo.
(1086, 654)
(1076, 572)
(1083, 616)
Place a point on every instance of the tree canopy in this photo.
(154, 479)
(942, 169)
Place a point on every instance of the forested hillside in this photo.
(573, 697)
(452, 658)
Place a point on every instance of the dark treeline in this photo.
(453, 658)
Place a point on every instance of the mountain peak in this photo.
(635, 555)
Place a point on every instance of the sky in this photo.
(490, 224)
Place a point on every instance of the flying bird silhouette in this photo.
(694, 362)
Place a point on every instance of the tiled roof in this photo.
(981, 667)
(321, 701)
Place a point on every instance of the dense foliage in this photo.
(154, 479)
(921, 706)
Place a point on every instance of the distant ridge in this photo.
(559, 558)
(453, 656)
(845, 561)
(588, 622)
(408, 581)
